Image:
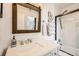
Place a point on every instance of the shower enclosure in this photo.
(67, 32)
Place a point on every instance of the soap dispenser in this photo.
(13, 42)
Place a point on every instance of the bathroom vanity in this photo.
(36, 48)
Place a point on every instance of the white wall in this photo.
(6, 25)
(45, 8)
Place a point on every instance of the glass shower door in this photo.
(70, 33)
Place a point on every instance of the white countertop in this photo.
(36, 48)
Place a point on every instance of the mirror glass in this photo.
(27, 19)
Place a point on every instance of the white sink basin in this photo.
(34, 49)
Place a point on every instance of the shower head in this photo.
(64, 11)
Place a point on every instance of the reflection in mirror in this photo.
(30, 23)
(27, 19)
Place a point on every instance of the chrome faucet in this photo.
(29, 40)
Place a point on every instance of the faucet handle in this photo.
(29, 40)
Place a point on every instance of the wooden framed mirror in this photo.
(26, 18)
(1, 10)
